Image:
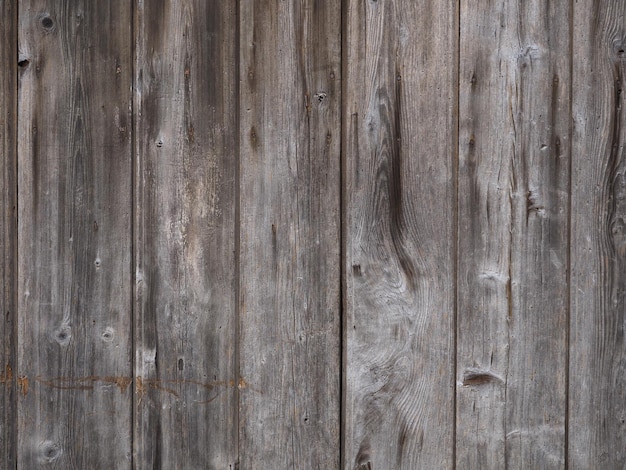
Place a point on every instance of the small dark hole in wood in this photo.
(181, 364)
(47, 22)
(23, 63)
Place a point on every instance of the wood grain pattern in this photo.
(289, 274)
(513, 234)
(186, 147)
(74, 148)
(8, 231)
(597, 417)
(399, 197)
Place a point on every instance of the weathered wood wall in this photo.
(359, 234)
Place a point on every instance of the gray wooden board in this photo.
(289, 268)
(399, 122)
(513, 234)
(185, 224)
(74, 134)
(8, 232)
(597, 382)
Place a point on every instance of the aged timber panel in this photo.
(399, 218)
(289, 271)
(186, 187)
(74, 234)
(513, 234)
(597, 383)
(8, 229)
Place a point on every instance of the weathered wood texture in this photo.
(513, 233)
(186, 189)
(399, 198)
(74, 234)
(361, 234)
(8, 229)
(289, 270)
(597, 391)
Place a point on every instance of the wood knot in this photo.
(47, 23)
(49, 452)
(473, 376)
(63, 335)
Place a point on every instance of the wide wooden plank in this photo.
(597, 383)
(8, 229)
(513, 234)
(185, 241)
(399, 132)
(74, 225)
(289, 270)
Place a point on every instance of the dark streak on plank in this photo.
(186, 147)
(8, 233)
(74, 226)
(597, 418)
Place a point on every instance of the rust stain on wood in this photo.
(22, 382)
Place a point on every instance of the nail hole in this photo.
(107, 335)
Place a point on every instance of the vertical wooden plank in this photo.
(513, 233)
(399, 199)
(289, 140)
(74, 225)
(186, 137)
(597, 385)
(8, 228)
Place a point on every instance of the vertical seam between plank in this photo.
(237, 227)
(342, 234)
(455, 261)
(133, 225)
(569, 238)
(15, 234)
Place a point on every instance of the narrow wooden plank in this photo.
(399, 143)
(74, 224)
(186, 138)
(8, 228)
(290, 315)
(513, 233)
(597, 384)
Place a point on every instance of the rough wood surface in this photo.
(186, 149)
(290, 186)
(399, 124)
(513, 234)
(74, 367)
(8, 232)
(597, 391)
